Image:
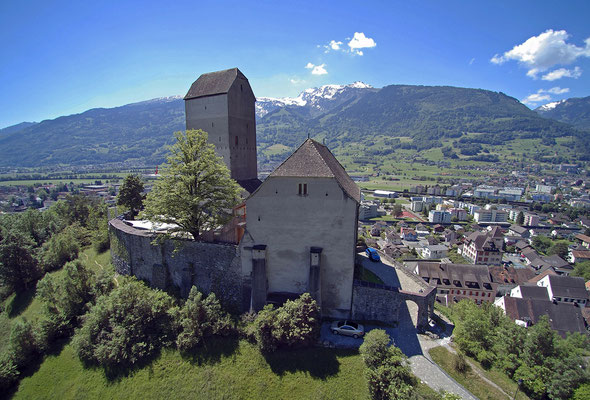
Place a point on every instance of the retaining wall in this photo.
(179, 264)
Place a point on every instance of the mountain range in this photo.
(341, 115)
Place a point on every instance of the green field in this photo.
(236, 371)
(473, 382)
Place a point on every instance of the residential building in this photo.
(584, 240)
(483, 248)
(417, 206)
(455, 282)
(440, 217)
(491, 215)
(434, 252)
(565, 289)
(563, 318)
(531, 219)
(368, 210)
(408, 234)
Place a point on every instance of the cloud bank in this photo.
(541, 53)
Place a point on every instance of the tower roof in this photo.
(313, 159)
(213, 83)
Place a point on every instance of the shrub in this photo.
(125, 327)
(60, 249)
(374, 349)
(8, 372)
(200, 318)
(64, 298)
(295, 324)
(23, 344)
(460, 364)
(388, 375)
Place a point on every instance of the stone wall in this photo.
(372, 303)
(211, 267)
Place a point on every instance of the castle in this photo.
(300, 228)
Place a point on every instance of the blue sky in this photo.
(59, 58)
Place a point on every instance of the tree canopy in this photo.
(131, 194)
(195, 190)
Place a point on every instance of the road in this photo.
(405, 335)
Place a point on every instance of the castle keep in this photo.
(295, 233)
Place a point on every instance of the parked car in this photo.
(347, 328)
(372, 254)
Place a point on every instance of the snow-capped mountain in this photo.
(317, 100)
(550, 106)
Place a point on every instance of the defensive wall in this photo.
(179, 264)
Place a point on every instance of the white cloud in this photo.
(472, 61)
(535, 98)
(558, 90)
(360, 41)
(317, 69)
(334, 45)
(539, 53)
(543, 95)
(563, 73)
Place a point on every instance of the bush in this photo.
(60, 249)
(64, 298)
(460, 364)
(295, 324)
(374, 349)
(23, 345)
(388, 375)
(199, 319)
(126, 327)
(8, 372)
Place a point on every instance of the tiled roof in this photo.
(568, 286)
(510, 275)
(313, 159)
(213, 83)
(581, 254)
(583, 238)
(534, 292)
(563, 318)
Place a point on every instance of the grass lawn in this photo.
(473, 382)
(236, 371)
(25, 305)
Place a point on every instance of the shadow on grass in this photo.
(33, 366)
(319, 363)
(20, 302)
(212, 350)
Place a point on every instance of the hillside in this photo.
(399, 117)
(134, 133)
(575, 111)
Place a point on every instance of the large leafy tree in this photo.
(18, 265)
(131, 194)
(195, 191)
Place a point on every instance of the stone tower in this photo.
(222, 104)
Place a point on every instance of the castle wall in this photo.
(211, 267)
(290, 224)
(242, 124)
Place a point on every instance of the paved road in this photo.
(405, 335)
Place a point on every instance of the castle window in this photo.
(241, 88)
(303, 189)
(212, 124)
(236, 140)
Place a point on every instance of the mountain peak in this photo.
(318, 99)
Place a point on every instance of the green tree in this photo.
(126, 326)
(60, 249)
(131, 194)
(388, 374)
(195, 190)
(199, 319)
(23, 345)
(18, 265)
(582, 269)
(520, 218)
(560, 248)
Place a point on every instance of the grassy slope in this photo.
(241, 374)
(27, 306)
(473, 382)
(237, 370)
